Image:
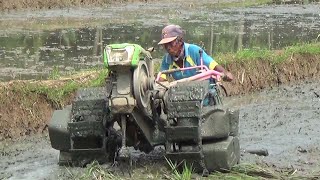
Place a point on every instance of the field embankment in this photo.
(27, 106)
(49, 4)
(259, 74)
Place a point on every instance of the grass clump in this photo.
(58, 89)
(176, 175)
(186, 172)
(93, 171)
(248, 3)
(274, 56)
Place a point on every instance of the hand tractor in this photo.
(186, 117)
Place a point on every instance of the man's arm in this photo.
(227, 76)
(164, 66)
(213, 65)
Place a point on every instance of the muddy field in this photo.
(282, 120)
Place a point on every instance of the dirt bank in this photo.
(259, 74)
(49, 4)
(23, 114)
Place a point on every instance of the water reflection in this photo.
(35, 54)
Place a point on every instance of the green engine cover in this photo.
(123, 54)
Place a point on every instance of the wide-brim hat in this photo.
(170, 33)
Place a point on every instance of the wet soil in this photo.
(283, 120)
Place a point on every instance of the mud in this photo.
(283, 120)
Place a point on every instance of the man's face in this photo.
(173, 48)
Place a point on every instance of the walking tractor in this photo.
(187, 118)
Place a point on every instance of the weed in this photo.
(100, 80)
(186, 172)
(55, 73)
(93, 171)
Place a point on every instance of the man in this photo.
(181, 54)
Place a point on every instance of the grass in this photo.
(58, 89)
(93, 171)
(243, 171)
(49, 4)
(176, 175)
(269, 55)
(247, 171)
(247, 3)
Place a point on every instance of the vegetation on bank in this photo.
(58, 88)
(247, 3)
(49, 4)
(274, 56)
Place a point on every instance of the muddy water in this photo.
(31, 48)
(283, 120)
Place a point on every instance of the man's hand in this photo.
(227, 76)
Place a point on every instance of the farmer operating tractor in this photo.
(180, 109)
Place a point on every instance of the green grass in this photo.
(243, 171)
(93, 171)
(269, 55)
(176, 175)
(58, 93)
(247, 3)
